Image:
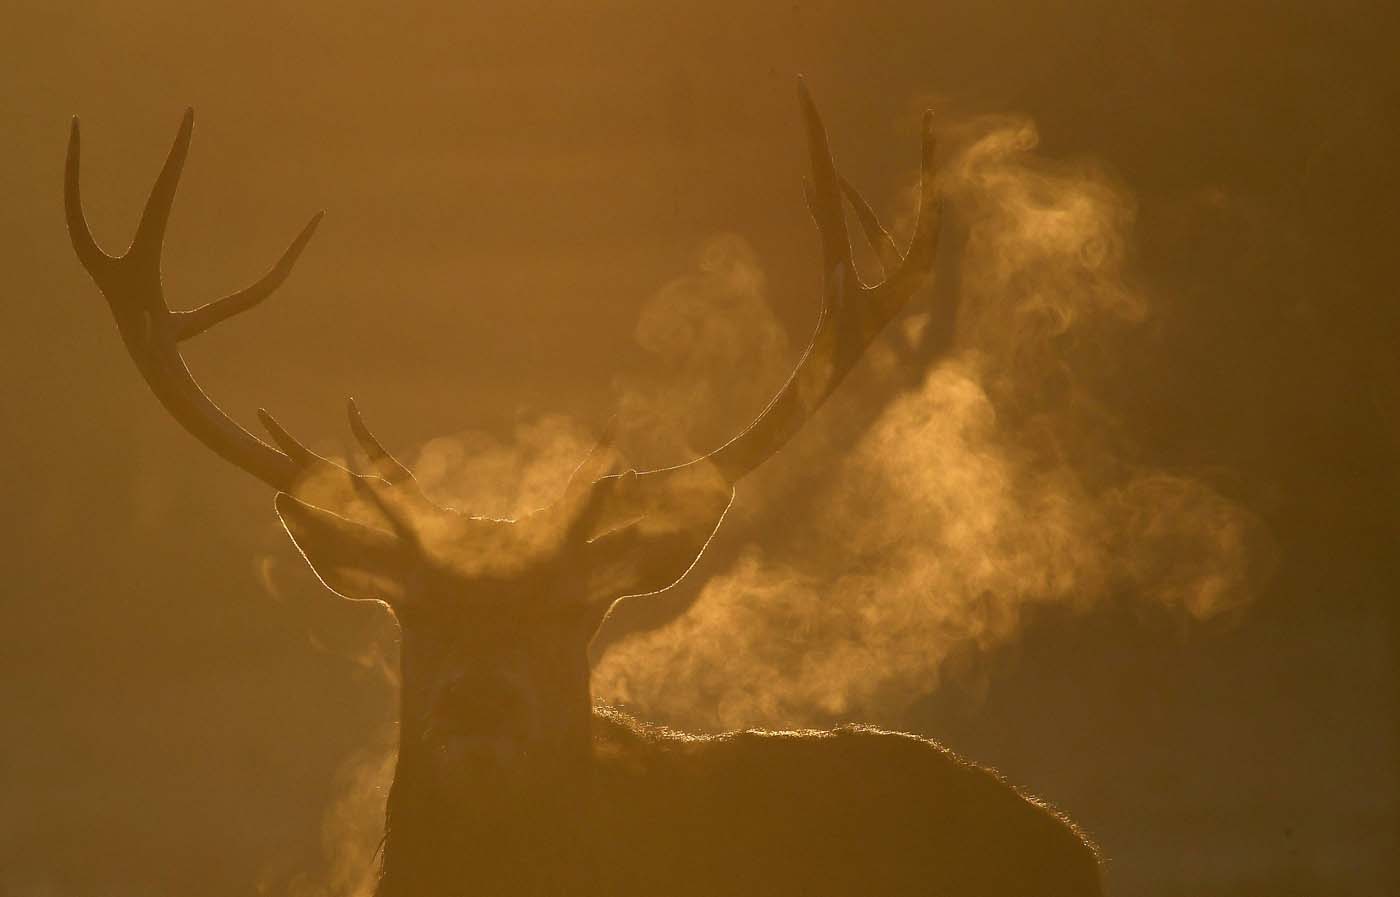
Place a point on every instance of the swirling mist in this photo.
(991, 486)
(995, 486)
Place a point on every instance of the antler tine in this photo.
(851, 315)
(825, 193)
(886, 253)
(403, 528)
(196, 321)
(146, 245)
(595, 500)
(132, 286)
(596, 463)
(925, 240)
(389, 468)
(292, 447)
(89, 253)
(923, 246)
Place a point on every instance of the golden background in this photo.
(533, 210)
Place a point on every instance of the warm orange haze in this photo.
(508, 779)
(1068, 446)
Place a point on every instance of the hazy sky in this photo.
(539, 215)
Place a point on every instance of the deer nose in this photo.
(492, 704)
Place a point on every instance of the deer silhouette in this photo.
(509, 780)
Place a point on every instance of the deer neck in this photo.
(482, 815)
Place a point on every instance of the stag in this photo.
(509, 779)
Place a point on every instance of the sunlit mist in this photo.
(817, 448)
(998, 484)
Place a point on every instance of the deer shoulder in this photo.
(844, 811)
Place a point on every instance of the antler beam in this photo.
(152, 332)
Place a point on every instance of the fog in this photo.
(1111, 508)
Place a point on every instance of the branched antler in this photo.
(852, 314)
(152, 332)
(676, 507)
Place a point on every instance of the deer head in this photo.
(496, 615)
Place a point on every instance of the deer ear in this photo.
(656, 530)
(354, 561)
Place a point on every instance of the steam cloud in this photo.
(996, 486)
(718, 346)
(351, 831)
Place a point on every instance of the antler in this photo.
(153, 332)
(852, 313)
